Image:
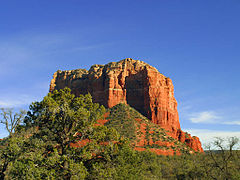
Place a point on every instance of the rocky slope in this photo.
(129, 82)
(143, 133)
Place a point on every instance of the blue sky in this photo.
(195, 43)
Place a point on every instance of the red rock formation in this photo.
(132, 82)
(184, 137)
(128, 81)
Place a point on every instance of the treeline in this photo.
(58, 139)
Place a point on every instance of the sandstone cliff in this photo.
(131, 82)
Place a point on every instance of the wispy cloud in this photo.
(207, 136)
(22, 97)
(15, 100)
(232, 122)
(204, 117)
(211, 117)
(34, 49)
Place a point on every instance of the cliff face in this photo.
(128, 81)
(131, 82)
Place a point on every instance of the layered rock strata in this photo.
(131, 82)
(128, 81)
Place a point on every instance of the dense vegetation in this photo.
(45, 145)
(136, 127)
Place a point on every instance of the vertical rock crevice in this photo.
(128, 81)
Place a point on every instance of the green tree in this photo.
(56, 126)
(63, 118)
(11, 149)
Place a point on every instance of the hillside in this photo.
(60, 139)
(142, 133)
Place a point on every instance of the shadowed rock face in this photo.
(128, 81)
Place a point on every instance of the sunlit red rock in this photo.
(131, 82)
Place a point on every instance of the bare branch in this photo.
(10, 120)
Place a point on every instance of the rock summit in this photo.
(131, 82)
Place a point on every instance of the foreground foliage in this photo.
(48, 146)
